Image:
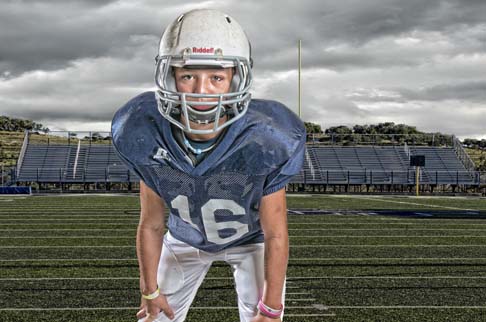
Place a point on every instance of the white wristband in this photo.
(152, 295)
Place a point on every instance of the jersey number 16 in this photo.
(208, 210)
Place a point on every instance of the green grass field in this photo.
(72, 258)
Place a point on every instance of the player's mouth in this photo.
(202, 107)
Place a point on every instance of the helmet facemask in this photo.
(173, 104)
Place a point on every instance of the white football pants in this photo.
(182, 269)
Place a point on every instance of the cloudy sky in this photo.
(70, 64)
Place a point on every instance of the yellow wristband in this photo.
(153, 295)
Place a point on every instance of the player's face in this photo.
(203, 81)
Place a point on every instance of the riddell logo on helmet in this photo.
(203, 50)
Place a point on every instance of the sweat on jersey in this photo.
(213, 205)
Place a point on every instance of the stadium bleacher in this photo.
(382, 165)
(73, 164)
(352, 165)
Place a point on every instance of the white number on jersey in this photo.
(181, 203)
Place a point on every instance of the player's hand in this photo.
(262, 318)
(151, 308)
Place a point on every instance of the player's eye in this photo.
(186, 77)
(218, 78)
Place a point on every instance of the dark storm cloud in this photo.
(470, 91)
(79, 60)
(51, 34)
(454, 119)
(59, 112)
(82, 3)
(347, 59)
(324, 24)
(46, 35)
(474, 92)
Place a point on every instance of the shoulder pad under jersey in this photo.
(136, 130)
(272, 134)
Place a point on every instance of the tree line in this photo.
(383, 133)
(380, 128)
(339, 134)
(475, 144)
(19, 125)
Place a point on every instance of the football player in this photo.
(219, 161)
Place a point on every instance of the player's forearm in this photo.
(276, 258)
(149, 247)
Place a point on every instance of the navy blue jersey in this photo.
(213, 205)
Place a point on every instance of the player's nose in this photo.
(201, 86)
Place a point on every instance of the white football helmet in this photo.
(203, 39)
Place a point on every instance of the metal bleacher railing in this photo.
(462, 154)
(22, 151)
(58, 175)
(429, 139)
(376, 177)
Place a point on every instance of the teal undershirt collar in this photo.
(201, 146)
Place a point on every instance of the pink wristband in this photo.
(268, 311)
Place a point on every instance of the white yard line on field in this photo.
(405, 202)
(416, 223)
(67, 260)
(386, 229)
(390, 236)
(64, 246)
(61, 217)
(388, 245)
(360, 259)
(289, 279)
(204, 308)
(291, 236)
(393, 307)
(291, 246)
(97, 222)
(290, 229)
(68, 221)
(74, 229)
(346, 259)
(69, 237)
